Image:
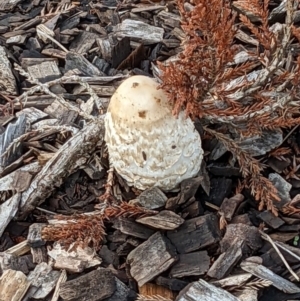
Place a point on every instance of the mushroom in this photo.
(147, 145)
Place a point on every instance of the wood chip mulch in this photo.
(70, 228)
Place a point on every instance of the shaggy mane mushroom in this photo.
(147, 145)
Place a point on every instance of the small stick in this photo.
(269, 239)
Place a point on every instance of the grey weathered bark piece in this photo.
(32, 114)
(234, 280)
(196, 233)
(140, 31)
(260, 145)
(39, 255)
(13, 131)
(34, 236)
(94, 286)
(43, 280)
(72, 155)
(78, 61)
(8, 82)
(283, 187)
(16, 40)
(8, 210)
(169, 19)
(227, 260)
(188, 189)
(18, 263)
(114, 51)
(248, 234)
(203, 291)
(228, 206)
(164, 220)
(83, 42)
(152, 198)
(70, 264)
(151, 258)
(269, 219)
(20, 179)
(262, 272)
(192, 264)
(45, 71)
(132, 228)
(121, 293)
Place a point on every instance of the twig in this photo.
(290, 133)
(108, 186)
(269, 239)
(45, 88)
(211, 205)
(40, 32)
(45, 211)
(54, 129)
(287, 250)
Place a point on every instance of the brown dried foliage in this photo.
(88, 229)
(82, 230)
(201, 81)
(261, 188)
(209, 45)
(207, 83)
(280, 152)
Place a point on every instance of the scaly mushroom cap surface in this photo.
(147, 145)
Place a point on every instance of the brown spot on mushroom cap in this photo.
(134, 85)
(158, 100)
(142, 114)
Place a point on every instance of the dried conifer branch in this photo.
(207, 83)
(195, 81)
(262, 33)
(210, 32)
(248, 165)
(261, 188)
(256, 284)
(82, 230)
(280, 152)
(126, 210)
(88, 229)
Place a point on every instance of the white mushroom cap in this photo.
(138, 102)
(147, 145)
